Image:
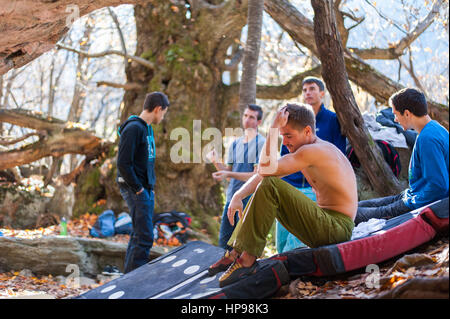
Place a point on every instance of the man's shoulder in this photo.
(329, 114)
(133, 128)
(318, 148)
(134, 125)
(261, 138)
(433, 132)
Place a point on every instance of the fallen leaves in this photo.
(29, 233)
(433, 264)
(24, 284)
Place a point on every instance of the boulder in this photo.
(66, 256)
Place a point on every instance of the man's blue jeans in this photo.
(225, 227)
(383, 207)
(141, 240)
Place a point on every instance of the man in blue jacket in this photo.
(328, 129)
(136, 175)
(428, 172)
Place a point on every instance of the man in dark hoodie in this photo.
(136, 175)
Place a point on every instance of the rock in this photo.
(103, 279)
(26, 273)
(19, 209)
(66, 256)
(85, 281)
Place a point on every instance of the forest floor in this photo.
(429, 261)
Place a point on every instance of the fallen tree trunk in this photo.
(52, 255)
(59, 138)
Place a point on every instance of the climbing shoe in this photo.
(221, 265)
(237, 272)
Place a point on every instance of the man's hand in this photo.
(220, 175)
(235, 205)
(140, 192)
(281, 118)
(212, 156)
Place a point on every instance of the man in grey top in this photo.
(243, 156)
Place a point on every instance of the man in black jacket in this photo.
(136, 175)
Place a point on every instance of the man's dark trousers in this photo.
(141, 240)
(384, 207)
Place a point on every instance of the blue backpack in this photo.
(123, 224)
(104, 226)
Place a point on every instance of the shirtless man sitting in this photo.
(329, 221)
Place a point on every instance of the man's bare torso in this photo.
(331, 176)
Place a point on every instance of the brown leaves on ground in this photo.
(426, 268)
(24, 284)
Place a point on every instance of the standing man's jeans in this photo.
(225, 227)
(141, 240)
(384, 207)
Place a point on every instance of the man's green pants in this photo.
(274, 198)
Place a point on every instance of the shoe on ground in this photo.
(221, 265)
(111, 271)
(237, 272)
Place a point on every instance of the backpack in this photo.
(123, 224)
(104, 226)
(170, 228)
(389, 153)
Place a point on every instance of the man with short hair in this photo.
(329, 221)
(136, 175)
(327, 129)
(428, 173)
(243, 156)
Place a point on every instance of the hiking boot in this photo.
(237, 272)
(221, 265)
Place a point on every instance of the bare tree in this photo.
(247, 91)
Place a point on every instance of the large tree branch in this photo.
(396, 50)
(301, 30)
(289, 90)
(136, 59)
(381, 87)
(31, 28)
(130, 86)
(247, 88)
(298, 26)
(31, 119)
(60, 138)
(6, 141)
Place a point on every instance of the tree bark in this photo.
(247, 90)
(189, 54)
(32, 27)
(335, 75)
